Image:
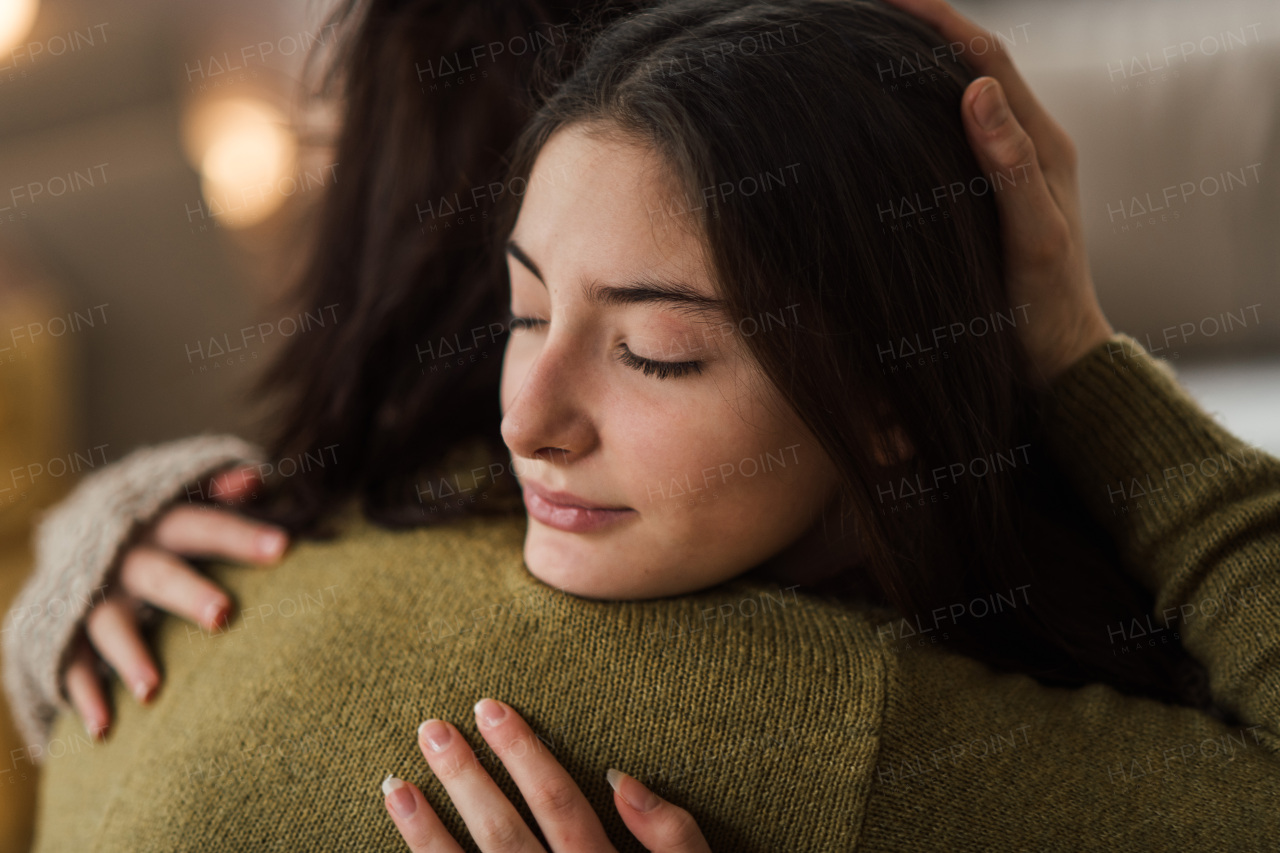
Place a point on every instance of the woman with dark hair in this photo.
(406, 278)
(700, 276)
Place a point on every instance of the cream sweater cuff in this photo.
(77, 544)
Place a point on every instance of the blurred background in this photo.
(153, 185)
(152, 181)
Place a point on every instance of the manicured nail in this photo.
(490, 712)
(989, 107)
(436, 734)
(272, 544)
(641, 798)
(215, 613)
(399, 797)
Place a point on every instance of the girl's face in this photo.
(654, 456)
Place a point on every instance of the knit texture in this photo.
(276, 733)
(77, 544)
(781, 721)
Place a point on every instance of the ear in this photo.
(892, 446)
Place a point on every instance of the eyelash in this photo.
(517, 323)
(662, 369)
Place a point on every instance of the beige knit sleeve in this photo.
(76, 545)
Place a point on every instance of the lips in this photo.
(575, 515)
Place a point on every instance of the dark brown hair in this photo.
(432, 94)
(725, 90)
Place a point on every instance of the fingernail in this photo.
(641, 799)
(436, 734)
(215, 613)
(490, 712)
(272, 544)
(141, 690)
(990, 108)
(399, 797)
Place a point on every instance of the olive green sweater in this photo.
(782, 722)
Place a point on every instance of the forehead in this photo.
(601, 205)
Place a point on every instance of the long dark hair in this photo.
(727, 90)
(431, 94)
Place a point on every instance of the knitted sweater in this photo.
(77, 545)
(781, 721)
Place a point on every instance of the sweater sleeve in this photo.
(76, 546)
(975, 759)
(1194, 510)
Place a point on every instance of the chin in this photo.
(564, 561)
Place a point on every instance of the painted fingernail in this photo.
(436, 734)
(637, 796)
(399, 797)
(989, 107)
(272, 544)
(490, 712)
(215, 613)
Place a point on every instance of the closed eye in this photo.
(648, 366)
(520, 323)
(662, 369)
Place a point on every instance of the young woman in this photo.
(635, 237)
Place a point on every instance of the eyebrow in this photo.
(639, 291)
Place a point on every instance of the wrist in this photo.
(1092, 332)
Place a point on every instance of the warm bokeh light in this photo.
(244, 151)
(17, 17)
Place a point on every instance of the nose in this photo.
(548, 417)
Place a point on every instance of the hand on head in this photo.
(1046, 265)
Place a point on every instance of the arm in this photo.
(1001, 759)
(980, 759)
(1194, 510)
(78, 546)
(1206, 527)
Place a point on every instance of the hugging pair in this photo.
(800, 727)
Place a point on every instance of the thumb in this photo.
(660, 826)
(1031, 219)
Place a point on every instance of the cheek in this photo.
(701, 464)
(728, 463)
